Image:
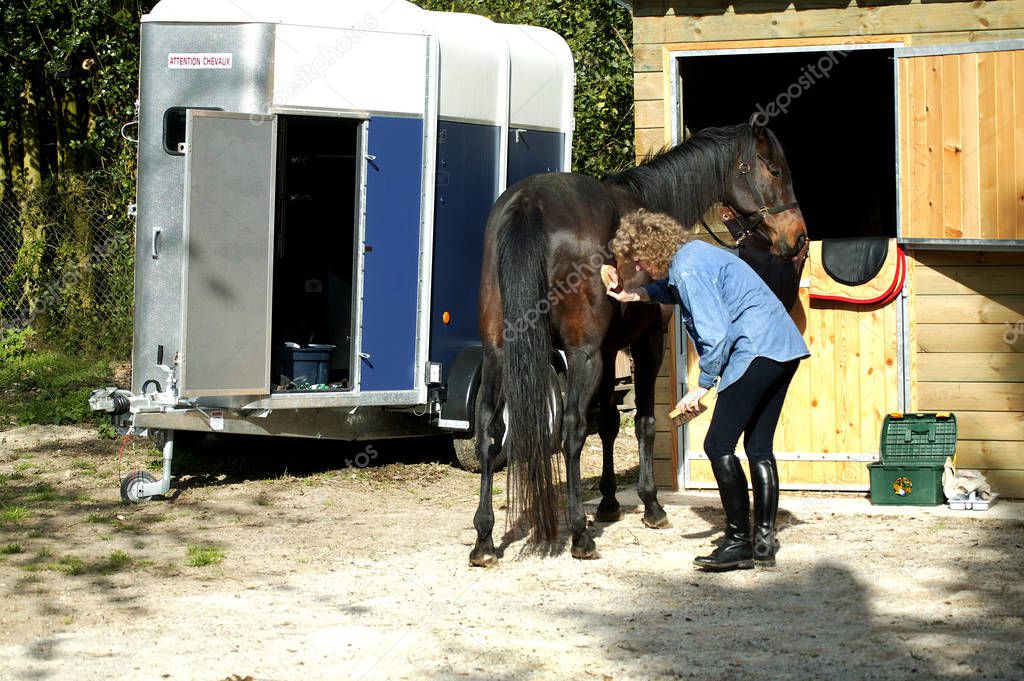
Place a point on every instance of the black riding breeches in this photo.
(750, 406)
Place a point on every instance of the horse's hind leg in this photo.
(608, 510)
(584, 375)
(491, 427)
(648, 352)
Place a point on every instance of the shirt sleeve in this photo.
(658, 291)
(702, 298)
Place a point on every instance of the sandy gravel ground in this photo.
(349, 573)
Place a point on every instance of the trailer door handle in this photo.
(370, 158)
(156, 241)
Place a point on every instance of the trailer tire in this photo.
(466, 446)
(131, 485)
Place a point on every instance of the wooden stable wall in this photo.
(947, 190)
(969, 327)
(962, 156)
(833, 415)
(662, 26)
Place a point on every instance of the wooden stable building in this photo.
(899, 118)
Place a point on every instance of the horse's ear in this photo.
(758, 122)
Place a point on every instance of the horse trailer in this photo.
(313, 183)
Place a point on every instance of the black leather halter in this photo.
(742, 227)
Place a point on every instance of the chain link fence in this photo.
(67, 266)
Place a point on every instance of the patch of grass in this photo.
(31, 567)
(8, 549)
(98, 518)
(42, 492)
(35, 533)
(69, 565)
(8, 477)
(84, 466)
(48, 387)
(203, 556)
(116, 561)
(12, 514)
(44, 553)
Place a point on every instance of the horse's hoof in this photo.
(610, 515)
(658, 523)
(585, 553)
(584, 548)
(483, 556)
(484, 559)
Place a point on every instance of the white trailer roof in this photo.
(490, 73)
(384, 14)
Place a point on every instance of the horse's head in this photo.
(761, 193)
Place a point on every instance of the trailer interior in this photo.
(315, 235)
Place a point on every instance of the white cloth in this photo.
(958, 484)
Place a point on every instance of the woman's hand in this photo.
(637, 295)
(690, 400)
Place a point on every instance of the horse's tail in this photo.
(523, 282)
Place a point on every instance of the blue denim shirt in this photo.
(729, 312)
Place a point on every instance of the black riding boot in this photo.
(735, 550)
(764, 478)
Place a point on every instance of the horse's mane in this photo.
(685, 180)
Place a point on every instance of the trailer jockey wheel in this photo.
(131, 486)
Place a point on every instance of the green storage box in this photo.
(919, 439)
(906, 484)
(914, 448)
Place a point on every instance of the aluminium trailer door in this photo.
(228, 233)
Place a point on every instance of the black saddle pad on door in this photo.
(854, 261)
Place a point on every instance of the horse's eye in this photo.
(774, 170)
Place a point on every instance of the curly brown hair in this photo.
(649, 236)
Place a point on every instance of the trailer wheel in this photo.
(132, 484)
(466, 446)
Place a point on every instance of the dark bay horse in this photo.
(545, 240)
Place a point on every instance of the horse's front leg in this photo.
(490, 431)
(647, 356)
(608, 511)
(584, 375)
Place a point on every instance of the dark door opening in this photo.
(314, 244)
(833, 112)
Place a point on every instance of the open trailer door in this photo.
(228, 235)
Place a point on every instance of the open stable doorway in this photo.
(834, 111)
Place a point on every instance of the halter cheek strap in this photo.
(742, 227)
(765, 210)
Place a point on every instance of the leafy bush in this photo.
(48, 388)
(14, 343)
